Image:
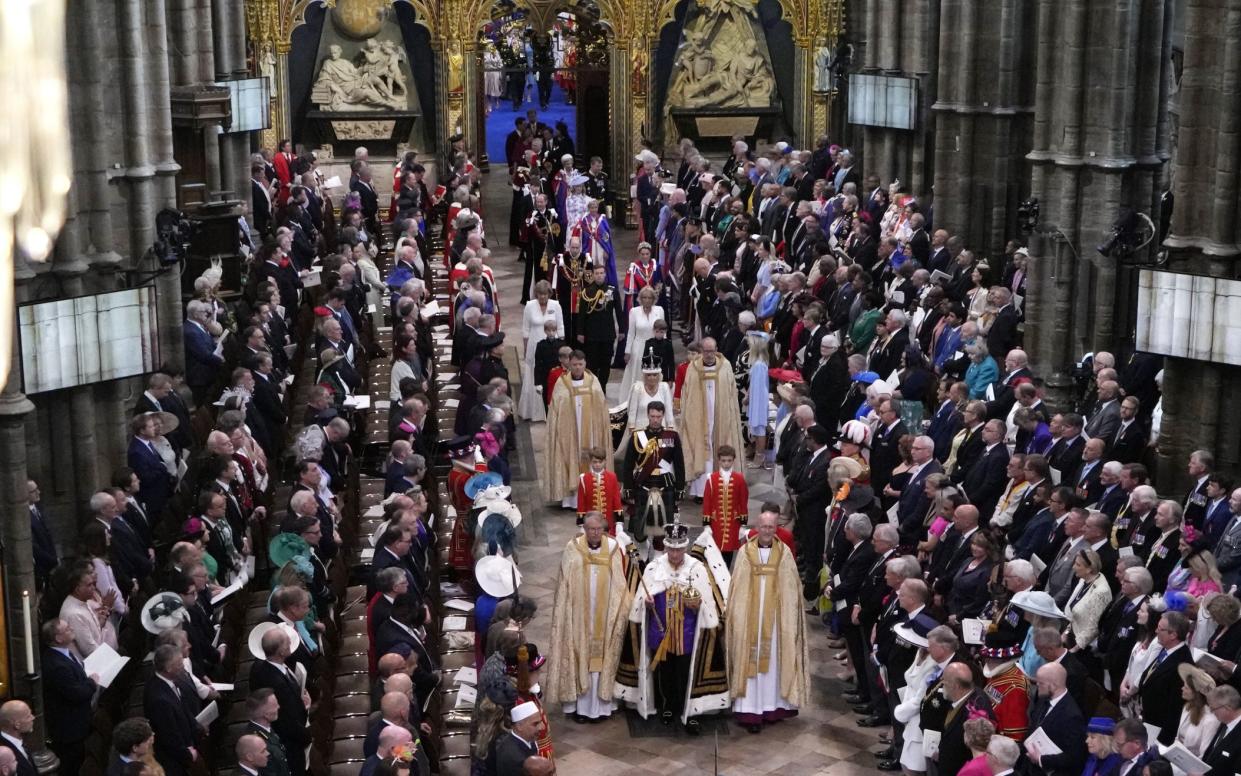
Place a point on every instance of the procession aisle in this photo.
(822, 741)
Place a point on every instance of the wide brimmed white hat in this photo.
(255, 640)
(497, 575)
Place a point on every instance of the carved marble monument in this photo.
(722, 64)
(363, 90)
(377, 83)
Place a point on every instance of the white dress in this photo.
(493, 75)
(641, 328)
(909, 711)
(530, 403)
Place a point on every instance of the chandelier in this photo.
(34, 143)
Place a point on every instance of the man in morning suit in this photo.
(293, 701)
(1057, 714)
(985, 480)
(67, 695)
(155, 484)
(1223, 753)
(168, 707)
(1161, 680)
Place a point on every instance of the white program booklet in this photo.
(467, 675)
(105, 662)
(972, 630)
(209, 714)
(1183, 759)
(454, 623)
(1043, 742)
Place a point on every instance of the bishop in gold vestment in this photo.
(593, 598)
(710, 417)
(577, 420)
(766, 629)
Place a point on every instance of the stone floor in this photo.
(824, 740)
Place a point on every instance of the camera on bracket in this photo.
(173, 234)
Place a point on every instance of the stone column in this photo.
(629, 112)
(166, 166)
(15, 411)
(1200, 400)
(983, 118)
(89, 106)
(1089, 159)
(902, 39)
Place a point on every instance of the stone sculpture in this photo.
(375, 83)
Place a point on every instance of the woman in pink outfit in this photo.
(978, 732)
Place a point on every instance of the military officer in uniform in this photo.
(597, 331)
(654, 474)
(597, 185)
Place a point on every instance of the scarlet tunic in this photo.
(460, 554)
(1009, 692)
(725, 507)
(605, 500)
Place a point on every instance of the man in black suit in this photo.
(45, 556)
(1002, 336)
(390, 738)
(129, 553)
(985, 480)
(261, 194)
(845, 587)
(890, 343)
(1201, 464)
(362, 186)
(400, 632)
(1016, 372)
(1118, 630)
(273, 673)
(913, 503)
(1161, 546)
(1065, 454)
(953, 548)
(1129, 441)
(67, 694)
(919, 241)
(946, 421)
(263, 708)
(971, 447)
(885, 454)
(1162, 681)
(171, 710)
(947, 709)
(811, 494)
(829, 381)
(1087, 480)
(129, 739)
(513, 749)
(1223, 753)
(16, 722)
(1059, 716)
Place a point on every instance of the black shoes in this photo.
(851, 697)
(871, 721)
(863, 708)
(888, 753)
(692, 728)
(754, 728)
(888, 765)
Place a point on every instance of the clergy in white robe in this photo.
(710, 417)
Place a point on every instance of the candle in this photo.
(29, 631)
